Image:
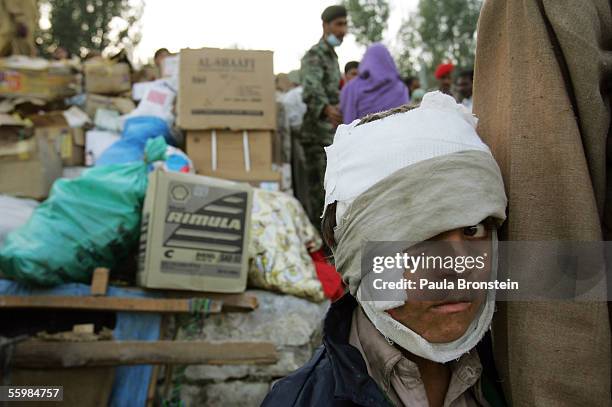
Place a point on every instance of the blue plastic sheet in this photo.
(136, 132)
(131, 382)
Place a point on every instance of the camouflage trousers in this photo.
(314, 174)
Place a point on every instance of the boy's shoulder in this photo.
(310, 385)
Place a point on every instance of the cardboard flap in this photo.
(11, 120)
(105, 68)
(120, 104)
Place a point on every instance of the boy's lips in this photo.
(451, 307)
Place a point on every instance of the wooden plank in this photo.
(160, 305)
(232, 302)
(240, 302)
(152, 386)
(235, 302)
(83, 328)
(99, 281)
(41, 354)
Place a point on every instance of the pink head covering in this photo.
(378, 86)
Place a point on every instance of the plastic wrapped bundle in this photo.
(281, 239)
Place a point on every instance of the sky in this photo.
(287, 27)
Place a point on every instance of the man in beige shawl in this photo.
(18, 23)
(541, 92)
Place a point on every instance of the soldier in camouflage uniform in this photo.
(320, 78)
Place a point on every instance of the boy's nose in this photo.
(458, 246)
(455, 235)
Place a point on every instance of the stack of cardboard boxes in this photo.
(32, 147)
(39, 137)
(226, 105)
(195, 229)
(107, 87)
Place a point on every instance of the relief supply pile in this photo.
(88, 222)
(197, 233)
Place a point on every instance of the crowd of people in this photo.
(331, 97)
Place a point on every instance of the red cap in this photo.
(443, 69)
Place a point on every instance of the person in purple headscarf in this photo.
(378, 86)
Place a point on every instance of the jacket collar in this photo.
(327, 48)
(351, 377)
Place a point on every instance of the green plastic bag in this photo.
(88, 222)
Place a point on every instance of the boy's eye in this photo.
(476, 231)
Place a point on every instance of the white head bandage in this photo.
(363, 155)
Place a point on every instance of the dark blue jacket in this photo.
(337, 375)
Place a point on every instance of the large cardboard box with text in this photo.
(245, 155)
(195, 233)
(226, 89)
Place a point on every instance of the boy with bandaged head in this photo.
(423, 176)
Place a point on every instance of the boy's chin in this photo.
(446, 334)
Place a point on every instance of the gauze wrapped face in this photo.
(412, 176)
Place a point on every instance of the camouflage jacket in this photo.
(320, 75)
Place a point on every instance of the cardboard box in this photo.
(36, 78)
(194, 234)
(28, 167)
(68, 142)
(222, 88)
(236, 155)
(94, 102)
(13, 126)
(170, 66)
(107, 78)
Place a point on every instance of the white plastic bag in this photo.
(157, 100)
(96, 143)
(15, 213)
